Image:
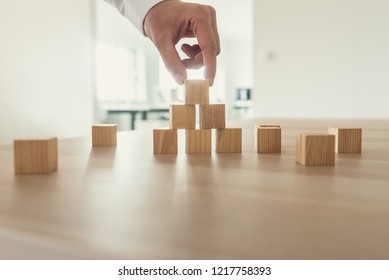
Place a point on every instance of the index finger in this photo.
(208, 39)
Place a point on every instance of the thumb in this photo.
(172, 61)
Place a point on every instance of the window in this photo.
(120, 74)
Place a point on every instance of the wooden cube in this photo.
(198, 141)
(165, 141)
(268, 125)
(315, 149)
(104, 135)
(229, 140)
(182, 116)
(267, 139)
(196, 92)
(212, 116)
(35, 156)
(348, 140)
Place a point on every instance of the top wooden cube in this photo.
(196, 92)
(348, 140)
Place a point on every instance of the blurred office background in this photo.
(64, 64)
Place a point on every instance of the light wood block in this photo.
(269, 125)
(212, 116)
(198, 141)
(104, 135)
(196, 92)
(348, 140)
(182, 116)
(229, 140)
(165, 141)
(267, 139)
(315, 149)
(35, 156)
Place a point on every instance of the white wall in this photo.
(322, 58)
(46, 57)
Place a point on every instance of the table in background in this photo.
(134, 110)
(124, 202)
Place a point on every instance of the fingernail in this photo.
(179, 78)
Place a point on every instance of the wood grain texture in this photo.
(229, 140)
(126, 203)
(198, 141)
(347, 140)
(315, 149)
(165, 141)
(267, 139)
(182, 116)
(104, 135)
(269, 125)
(212, 116)
(196, 92)
(35, 156)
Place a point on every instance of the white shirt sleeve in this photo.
(134, 10)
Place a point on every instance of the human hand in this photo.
(169, 21)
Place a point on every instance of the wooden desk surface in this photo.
(126, 203)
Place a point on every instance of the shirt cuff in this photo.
(136, 11)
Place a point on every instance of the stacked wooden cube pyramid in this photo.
(198, 140)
